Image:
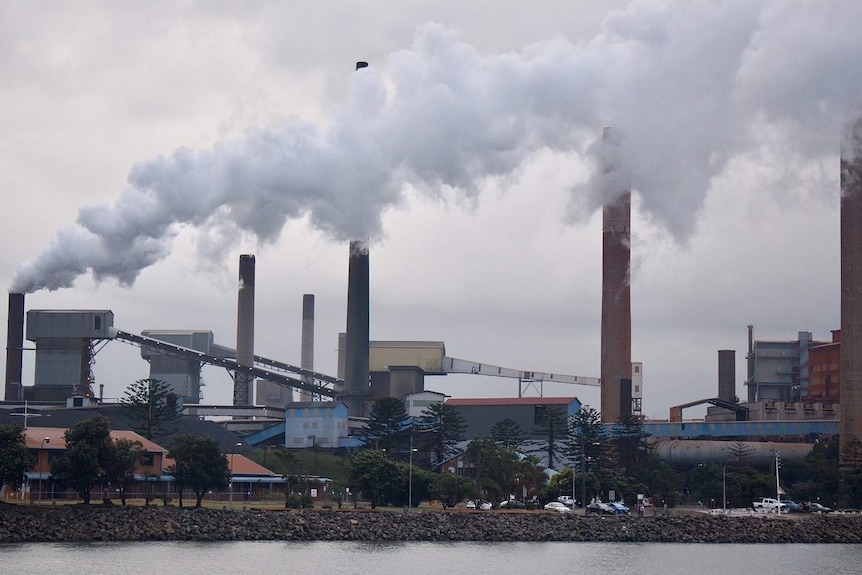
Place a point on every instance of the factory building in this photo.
(780, 370)
(528, 412)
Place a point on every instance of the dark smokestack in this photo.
(749, 374)
(244, 329)
(307, 351)
(727, 375)
(851, 293)
(616, 360)
(14, 346)
(356, 345)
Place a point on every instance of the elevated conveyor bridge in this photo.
(269, 370)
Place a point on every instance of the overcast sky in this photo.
(145, 145)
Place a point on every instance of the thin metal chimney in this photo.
(356, 369)
(616, 346)
(244, 330)
(307, 351)
(850, 426)
(727, 375)
(14, 346)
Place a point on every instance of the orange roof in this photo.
(56, 438)
(512, 401)
(238, 464)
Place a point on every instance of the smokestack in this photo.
(749, 375)
(727, 375)
(616, 344)
(14, 346)
(307, 351)
(851, 293)
(356, 345)
(244, 330)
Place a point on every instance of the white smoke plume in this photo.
(690, 84)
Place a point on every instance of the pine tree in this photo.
(387, 426)
(151, 406)
(508, 434)
(443, 427)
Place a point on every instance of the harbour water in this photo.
(425, 558)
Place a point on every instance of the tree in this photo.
(120, 467)
(386, 427)
(444, 427)
(376, 474)
(508, 434)
(630, 440)
(450, 488)
(552, 426)
(89, 450)
(15, 460)
(586, 438)
(152, 408)
(199, 466)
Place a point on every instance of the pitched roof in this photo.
(56, 438)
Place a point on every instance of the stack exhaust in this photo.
(850, 426)
(307, 343)
(244, 330)
(356, 368)
(14, 347)
(727, 375)
(616, 346)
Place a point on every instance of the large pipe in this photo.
(850, 426)
(616, 345)
(307, 351)
(14, 346)
(753, 453)
(356, 368)
(244, 330)
(727, 375)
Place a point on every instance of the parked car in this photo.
(791, 505)
(769, 505)
(485, 505)
(471, 504)
(566, 500)
(599, 508)
(817, 508)
(512, 504)
(619, 508)
(557, 506)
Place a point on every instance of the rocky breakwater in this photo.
(96, 523)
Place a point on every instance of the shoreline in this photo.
(80, 523)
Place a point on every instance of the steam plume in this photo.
(691, 84)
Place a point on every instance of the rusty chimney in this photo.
(244, 330)
(851, 291)
(356, 370)
(14, 346)
(616, 346)
(307, 350)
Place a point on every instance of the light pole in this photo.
(724, 485)
(41, 447)
(410, 475)
(230, 484)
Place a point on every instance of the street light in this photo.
(410, 475)
(41, 447)
(230, 484)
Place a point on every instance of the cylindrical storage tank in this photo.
(14, 346)
(727, 375)
(245, 329)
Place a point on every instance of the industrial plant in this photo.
(795, 390)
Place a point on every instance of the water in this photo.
(425, 558)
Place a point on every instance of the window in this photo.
(147, 459)
(637, 389)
